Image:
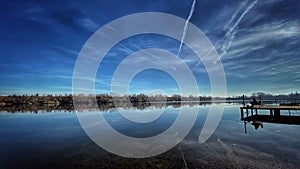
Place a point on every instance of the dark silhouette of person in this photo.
(254, 102)
(256, 124)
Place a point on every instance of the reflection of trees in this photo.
(102, 102)
(101, 107)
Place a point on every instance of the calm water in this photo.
(56, 140)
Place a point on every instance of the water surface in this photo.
(56, 140)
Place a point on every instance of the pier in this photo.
(275, 110)
(281, 114)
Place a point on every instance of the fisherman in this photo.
(254, 102)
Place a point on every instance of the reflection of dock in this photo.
(274, 119)
(276, 114)
(275, 110)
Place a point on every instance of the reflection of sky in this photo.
(134, 129)
(258, 42)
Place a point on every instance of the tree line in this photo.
(68, 99)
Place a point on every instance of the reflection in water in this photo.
(22, 108)
(56, 140)
(257, 124)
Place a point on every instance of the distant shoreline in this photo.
(34, 103)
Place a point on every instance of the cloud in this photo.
(73, 52)
(87, 23)
(267, 33)
(261, 37)
(264, 49)
(68, 17)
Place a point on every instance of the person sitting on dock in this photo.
(254, 102)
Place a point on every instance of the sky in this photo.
(258, 42)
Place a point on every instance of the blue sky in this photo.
(258, 42)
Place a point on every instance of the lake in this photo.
(56, 140)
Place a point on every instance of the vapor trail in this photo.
(235, 15)
(186, 26)
(241, 17)
(230, 35)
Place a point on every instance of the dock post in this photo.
(242, 113)
(271, 112)
(245, 127)
(276, 112)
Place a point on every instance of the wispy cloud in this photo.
(63, 49)
(258, 42)
(259, 37)
(87, 23)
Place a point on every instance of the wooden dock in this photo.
(251, 113)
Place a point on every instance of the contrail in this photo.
(241, 17)
(230, 35)
(186, 26)
(227, 43)
(235, 14)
